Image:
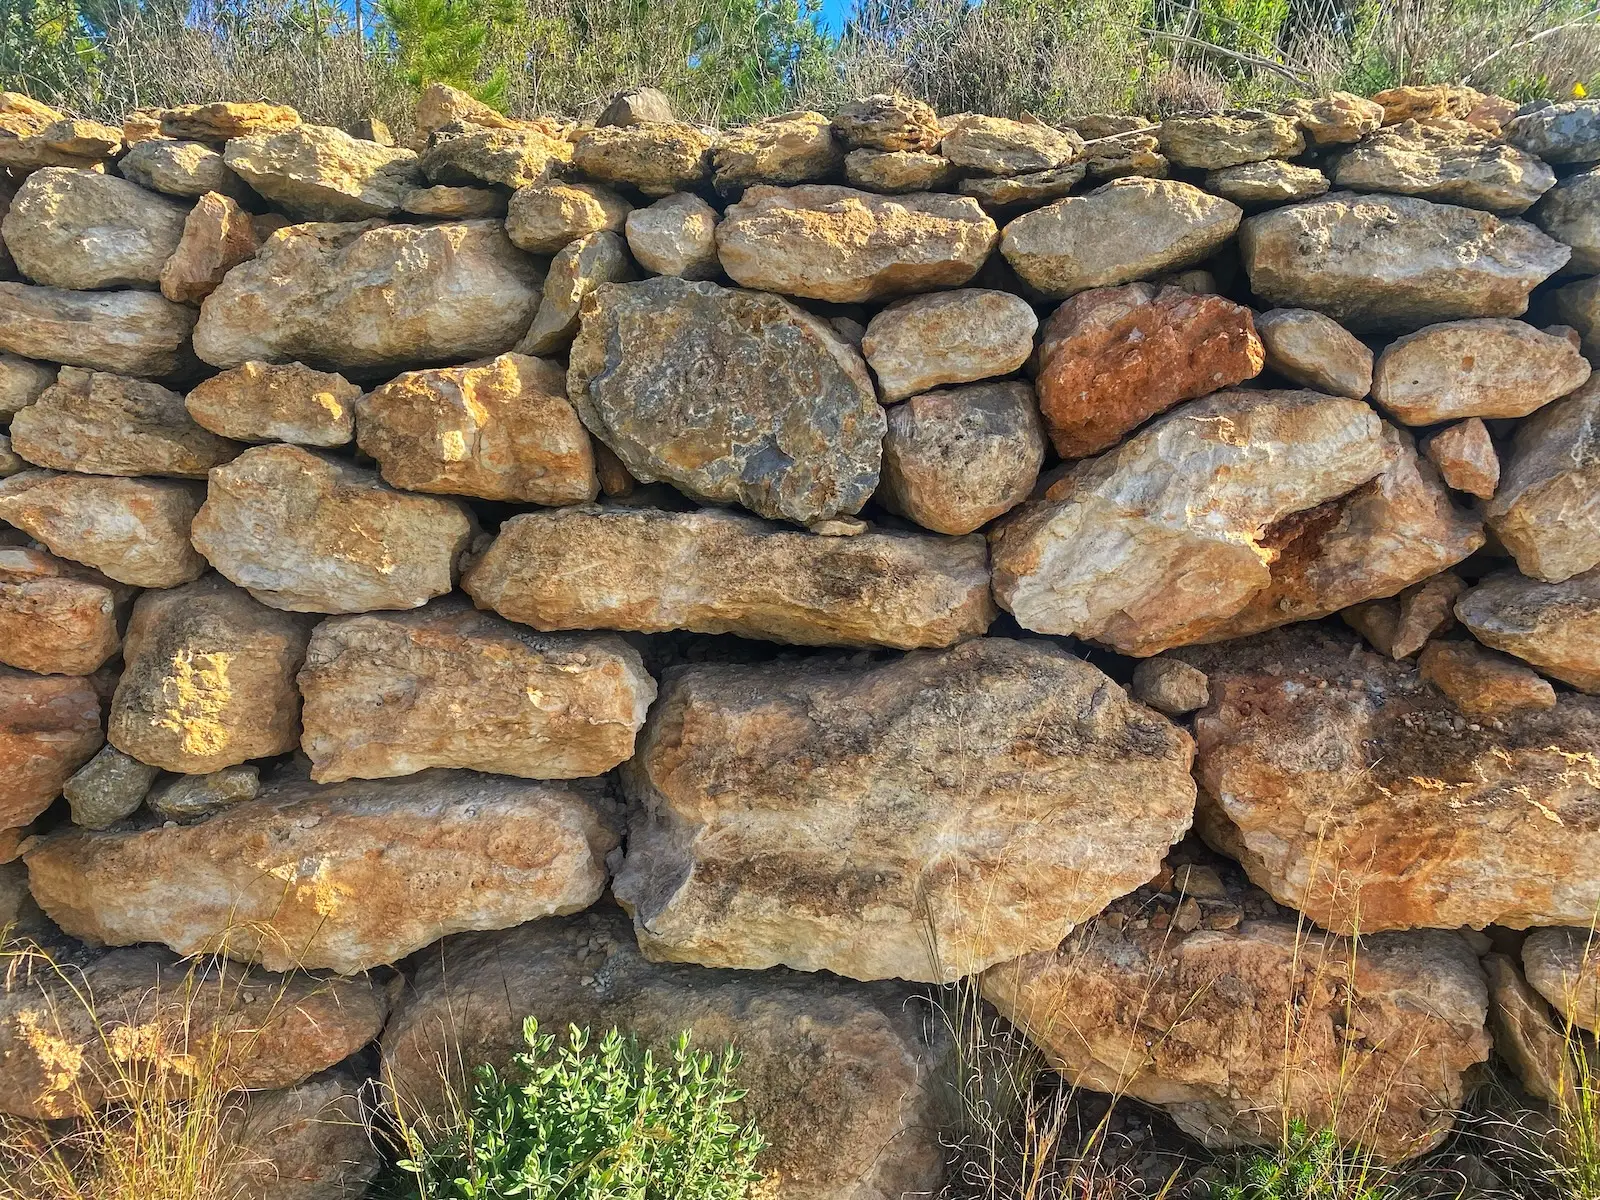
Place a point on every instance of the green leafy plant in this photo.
(612, 1123)
(1309, 1165)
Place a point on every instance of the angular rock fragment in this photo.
(898, 171)
(108, 787)
(1218, 141)
(860, 1122)
(955, 459)
(1546, 511)
(1000, 146)
(1577, 305)
(1445, 161)
(1124, 155)
(1354, 792)
(1564, 968)
(1395, 260)
(374, 299)
(1559, 133)
(471, 155)
(574, 273)
(677, 235)
(1169, 686)
(1335, 119)
(1106, 124)
(446, 686)
(729, 395)
(1401, 626)
(178, 168)
(454, 203)
(97, 423)
(1490, 367)
(658, 158)
(1126, 230)
(712, 571)
(69, 1033)
(889, 122)
(1001, 193)
(1315, 351)
(1482, 683)
(318, 173)
(1111, 358)
(311, 534)
(947, 337)
(69, 142)
(195, 797)
(1570, 213)
(77, 229)
(49, 727)
(223, 120)
(134, 530)
(1195, 1023)
(790, 148)
(21, 382)
(345, 876)
(502, 430)
(1264, 184)
(1554, 626)
(307, 1142)
(637, 106)
(1526, 1036)
(1466, 458)
(218, 235)
(56, 617)
(543, 218)
(267, 402)
(892, 850)
(133, 333)
(440, 105)
(836, 243)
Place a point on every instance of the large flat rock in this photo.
(132, 333)
(56, 617)
(1449, 161)
(316, 173)
(1554, 626)
(1489, 367)
(80, 229)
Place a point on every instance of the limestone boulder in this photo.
(49, 727)
(1000, 146)
(712, 571)
(1194, 1022)
(98, 423)
(470, 155)
(1559, 133)
(501, 430)
(448, 686)
(899, 171)
(1570, 213)
(132, 333)
(955, 459)
(346, 876)
(69, 142)
(1217, 141)
(1526, 1036)
(1008, 193)
(873, 845)
(1169, 686)
(372, 299)
(1335, 119)
(277, 402)
(440, 105)
(1315, 351)
(179, 168)
(1395, 260)
(575, 272)
(636, 106)
(1564, 968)
(107, 788)
(658, 158)
(1125, 230)
(1489, 367)
(1266, 184)
(1466, 458)
(889, 122)
(191, 798)
(70, 1032)
(21, 382)
(1401, 625)
(677, 235)
(790, 148)
(56, 617)
(1110, 358)
(1577, 305)
(307, 1142)
(1356, 793)
(729, 395)
(1433, 101)
(311, 534)
(80, 229)
(834, 243)
(318, 173)
(1446, 161)
(218, 235)
(223, 120)
(1554, 626)
(947, 337)
(1106, 124)
(1125, 155)
(208, 680)
(136, 531)
(1546, 511)
(545, 217)
(1482, 683)
(445, 203)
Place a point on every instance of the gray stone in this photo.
(1266, 184)
(1559, 133)
(581, 267)
(108, 787)
(192, 797)
(131, 333)
(1570, 213)
(1554, 626)
(1546, 511)
(1222, 140)
(1170, 686)
(1445, 161)
(677, 235)
(1315, 351)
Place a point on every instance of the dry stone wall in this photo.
(728, 580)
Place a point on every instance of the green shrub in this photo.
(568, 1123)
(1309, 1165)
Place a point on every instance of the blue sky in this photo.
(834, 13)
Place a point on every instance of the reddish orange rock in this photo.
(49, 727)
(56, 617)
(1111, 358)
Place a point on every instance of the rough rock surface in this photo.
(898, 171)
(21, 382)
(473, 155)
(1546, 511)
(658, 158)
(1445, 161)
(312, 534)
(1161, 540)
(889, 122)
(1126, 230)
(1001, 146)
(1525, 1036)
(1008, 193)
(1119, 156)
(454, 203)
(1335, 119)
(1559, 133)
(371, 298)
(1215, 141)
(1490, 367)
(1351, 790)
(179, 168)
(222, 120)
(947, 337)
(728, 395)
(316, 173)
(677, 235)
(209, 679)
(955, 459)
(1111, 358)
(1195, 1023)
(447, 686)
(1578, 306)
(133, 333)
(1570, 213)
(836, 243)
(1262, 184)
(107, 788)
(574, 273)
(710, 571)
(56, 617)
(1482, 683)
(98, 423)
(1315, 351)
(789, 148)
(873, 845)
(308, 1142)
(77, 229)
(218, 235)
(1402, 625)
(1169, 686)
(1395, 260)
(544, 217)
(1564, 967)
(250, 1028)
(49, 727)
(1466, 458)
(268, 402)
(343, 876)
(502, 430)
(860, 1121)
(134, 530)
(195, 797)
(1554, 626)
